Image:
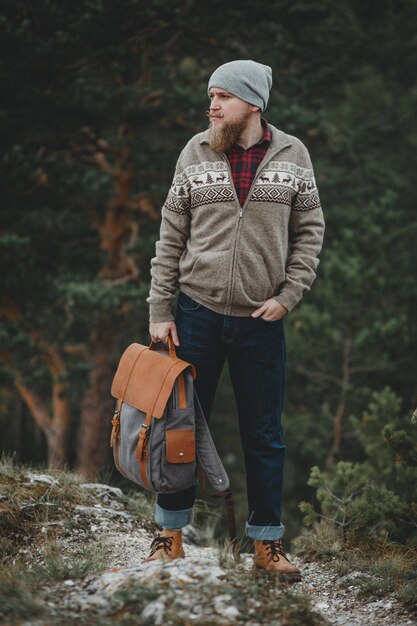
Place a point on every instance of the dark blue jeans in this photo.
(255, 349)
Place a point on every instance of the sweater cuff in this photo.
(160, 313)
(288, 297)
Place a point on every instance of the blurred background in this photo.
(98, 98)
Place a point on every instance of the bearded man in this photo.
(240, 235)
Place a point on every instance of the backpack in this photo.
(160, 437)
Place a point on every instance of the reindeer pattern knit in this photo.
(232, 258)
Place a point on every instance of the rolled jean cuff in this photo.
(267, 533)
(174, 520)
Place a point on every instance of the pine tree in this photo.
(379, 494)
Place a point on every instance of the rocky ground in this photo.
(205, 588)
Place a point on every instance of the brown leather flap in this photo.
(145, 378)
(180, 446)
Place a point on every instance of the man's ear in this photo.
(253, 108)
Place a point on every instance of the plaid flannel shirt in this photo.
(244, 163)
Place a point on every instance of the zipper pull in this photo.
(240, 212)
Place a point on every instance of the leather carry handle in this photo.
(171, 346)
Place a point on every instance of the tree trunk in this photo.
(58, 440)
(56, 426)
(97, 406)
(341, 407)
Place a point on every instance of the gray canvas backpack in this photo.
(160, 435)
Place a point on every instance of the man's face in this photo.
(229, 116)
(225, 107)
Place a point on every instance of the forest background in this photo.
(98, 98)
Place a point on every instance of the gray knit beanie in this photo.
(248, 80)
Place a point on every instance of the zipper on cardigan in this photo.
(232, 275)
(229, 291)
(267, 158)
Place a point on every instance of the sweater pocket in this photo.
(209, 274)
(253, 285)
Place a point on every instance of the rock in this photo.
(99, 589)
(191, 535)
(114, 504)
(102, 512)
(154, 610)
(223, 607)
(41, 478)
(231, 612)
(322, 605)
(352, 576)
(103, 489)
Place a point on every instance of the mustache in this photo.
(212, 115)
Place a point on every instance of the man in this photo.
(241, 230)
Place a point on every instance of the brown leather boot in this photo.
(167, 545)
(270, 556)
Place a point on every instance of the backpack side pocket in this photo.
(180, 446)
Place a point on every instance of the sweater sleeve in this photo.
(174, 232)
(306, 231)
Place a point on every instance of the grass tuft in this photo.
(55, 566)
(319, 542)
(382, 568)
(27, 506)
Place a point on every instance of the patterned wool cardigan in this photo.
(232, 258)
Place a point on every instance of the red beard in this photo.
(224, 137)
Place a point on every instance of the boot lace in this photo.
(274, 550)
(161, 542)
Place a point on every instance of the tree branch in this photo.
(36, 406)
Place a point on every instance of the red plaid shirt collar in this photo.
(244, 163)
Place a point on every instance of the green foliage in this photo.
(349, 500)
(389, 441)
(402, 444)
(376, 497)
